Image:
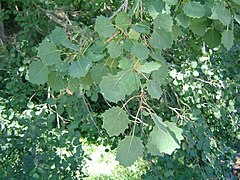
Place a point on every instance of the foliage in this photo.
(162, 78)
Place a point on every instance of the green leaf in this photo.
(199, 26)
(142, 27)
(212, 38)
(125, 64)
(115, 121)
(176, 32)
(104, 26)
(48, 52)
(114, 49)
(171, 2)
(161, 74)
(62, 66)
(55, 81)
(116, 87)
(161, 39)
(154, 89)
(152, 149)
(129, 150)
(183, 20)
(194, 9)
(133, 34)
(237, 1)
(237, 18)
(175, 131)
(95, 57)
(98, 71)
(79, 68)
(227, 39)
(165, 136)
(154, 7)
(59, 36)
(163, 21)
(38, 72)
(140, 51)
(224, 15)
(122, 21)
(148, 67)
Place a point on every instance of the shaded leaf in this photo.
(154, 89)
(199, 26)
(161, 74)
(38, 72)
(212, 38)
(115, 121)
(129, 150)
(55, 81)
(183, 20)
(48, 52)
(153, 150)
(140, 51)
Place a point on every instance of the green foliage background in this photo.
(165, 67)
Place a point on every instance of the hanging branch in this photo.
(123, 6)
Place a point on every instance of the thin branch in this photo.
(89, 109)
(123, 6)
(57, 20)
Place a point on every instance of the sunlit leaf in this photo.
(161, 39)
(122, 21)
(114, 49)
(79, 68)
(163, 21)
(166, 136)
(59, 37)
(98, 71)
(171, 2)
(140, 51)
(116, 87)
(227, 39)
(194, 9)
(104, 26)
(148, 67)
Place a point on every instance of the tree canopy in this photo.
(155, 79)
